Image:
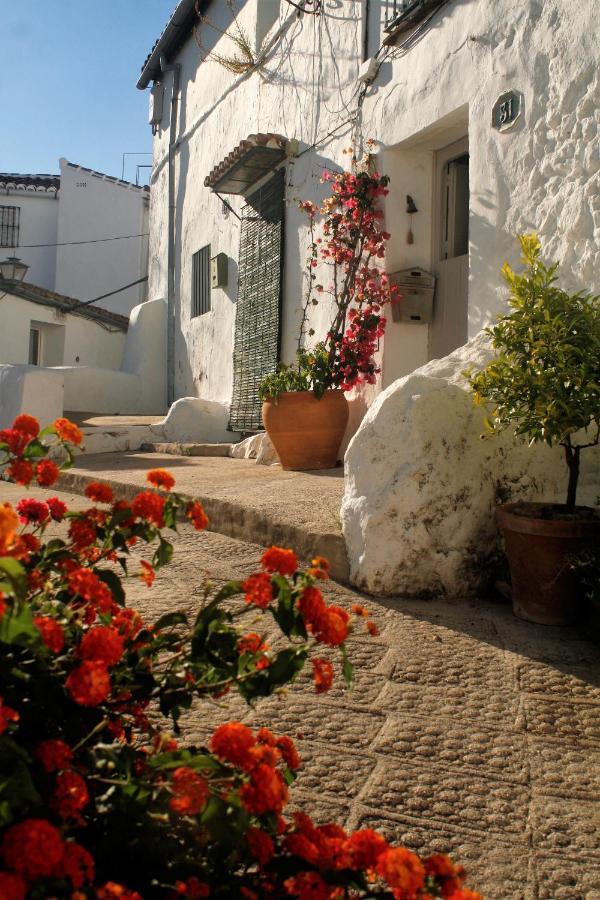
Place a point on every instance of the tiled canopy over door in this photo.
(258, 313)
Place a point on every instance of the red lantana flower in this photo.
(402, 869)
(366, 846)
(195, 513)
(82, 533)
(113, 891)
(102, 643)
(71, 794)
(32, 512)
(54, 755)
(29, 425)
(68, 431)
(77, 865)
(322, 675)
(258, 590)
(233, 742)
(98, 492)
(266, 792)
(149, 506)
(46, 472)
(20, 471)
(12, 887)
(147, 574)
(52, 634)
(190, 792)
(160, 478)
(7, 715)
(33, 848)
(89, 683)
(57, 508)
(261, 845)
(278, 559)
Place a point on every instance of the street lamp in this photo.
(13, 269)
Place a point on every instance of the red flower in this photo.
(98, 492)
(160, 478)
(52, 634)
(77, 865)
(46, 472)
(319, 568)
(102, 643)
(16, 440)
(261, 845)
(372, 629)
(67, 431)
(366, 846)
(85, 583)
(12, 887)
(359, 610)
(310, 886)
(7, 715)
(332, 627)
(278, 559)
(113, 891)
(252, 643)
(288, 750)
(233, 742)
(20, 471)
(190, 792)
(258, 590)
(448, 876)
(192, 889)
(402, 869)
(82, 533)
(57, 508)
(54, 754)
(147, 574)
(311, 605)
(128, 622)
(33, 848)
(89, 683)
(149, 506)
(71, 794)
(322, 675)
(266, 792)
(32, 512)
(27, 424)
(195, 513)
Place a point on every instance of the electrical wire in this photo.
(123, 237)
(111, 293)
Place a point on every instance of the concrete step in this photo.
(179, 449)
(242, 500)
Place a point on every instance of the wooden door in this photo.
(451, 250)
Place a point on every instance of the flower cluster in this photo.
(100, 800)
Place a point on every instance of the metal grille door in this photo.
(258, 313)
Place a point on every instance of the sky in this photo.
(67, 83)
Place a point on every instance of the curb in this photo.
(240, 522)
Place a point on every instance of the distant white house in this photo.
(81, 233)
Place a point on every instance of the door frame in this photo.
(441, 158)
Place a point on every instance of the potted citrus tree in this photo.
(305, 411)
(545, 382)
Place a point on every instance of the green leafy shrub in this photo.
(545, 379)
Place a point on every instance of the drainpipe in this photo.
(175, 68)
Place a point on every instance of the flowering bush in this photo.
(353, 242)
(97, 798)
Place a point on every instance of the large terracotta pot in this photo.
(306, 432)
(539, 551)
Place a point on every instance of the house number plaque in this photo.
(506, 110)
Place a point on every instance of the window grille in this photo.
(201, 281)
(9, 226)
(258, 308)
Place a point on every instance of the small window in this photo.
(201, 281)
(35, 346)
(9, 226)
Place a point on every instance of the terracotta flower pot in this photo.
(306, 432)
(539, 550)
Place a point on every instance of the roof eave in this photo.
(176, 32)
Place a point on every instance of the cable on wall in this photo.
(122, 237)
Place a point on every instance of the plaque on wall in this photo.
(506, 110)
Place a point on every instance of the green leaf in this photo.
(35, 450)
(169, 620)
(112, 581)
(163, 553)
(16, 627)
(14, 573)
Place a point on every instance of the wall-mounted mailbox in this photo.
(219, 265)
(416, 287)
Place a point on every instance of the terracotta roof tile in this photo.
(44, 297)
(41, 184)
(243, 153)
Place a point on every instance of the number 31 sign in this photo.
(506, 110)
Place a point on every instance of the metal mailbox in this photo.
(416, 287)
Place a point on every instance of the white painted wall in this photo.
(93, 207)
(83, 341)
(543, 174)
(38, 225)
(30, 389)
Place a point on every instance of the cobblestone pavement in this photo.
(467, 731)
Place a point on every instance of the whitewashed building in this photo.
(483, 113)
(58, 225)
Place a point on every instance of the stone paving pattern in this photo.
(468, 731)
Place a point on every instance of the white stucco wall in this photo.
(66, 339)
(93, 207)
(542, 174)
(38, 222)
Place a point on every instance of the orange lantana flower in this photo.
(68, 431)
(160, 478)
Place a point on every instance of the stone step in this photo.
(175, 448)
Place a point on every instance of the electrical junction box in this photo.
(155, 110)
(416, 287)
(219, 266)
